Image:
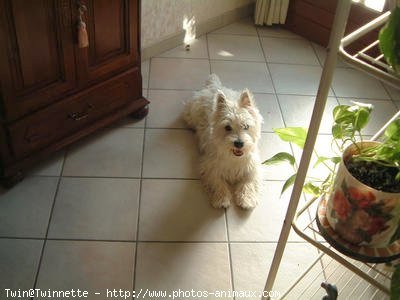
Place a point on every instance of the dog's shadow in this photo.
(187, 226)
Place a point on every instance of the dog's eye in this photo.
(228, 128)
(245, 126)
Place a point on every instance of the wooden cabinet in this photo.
(52, 92)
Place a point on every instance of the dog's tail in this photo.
(213, 81)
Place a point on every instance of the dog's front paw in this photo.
(221, 202)
(246, 197)
(247, 204)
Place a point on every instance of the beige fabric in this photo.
(271, 12)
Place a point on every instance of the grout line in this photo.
(229, 252)
(273, 86)
(316, 54)
(266, 64)
(49, 221)
(241, 60)
(139, 203)
(21, 238)
(176, 58)
(385, 87)
(262, 93)
(154, 178)
(148, 241)
(232, 34)
(208, 54)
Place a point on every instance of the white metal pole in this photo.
(339, 25)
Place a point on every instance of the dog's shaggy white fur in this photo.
(228, 127)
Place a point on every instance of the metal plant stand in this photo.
(373, 274)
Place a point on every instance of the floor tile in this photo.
(51, 166)
(181, 247)
(173, 73)
(295, 79)
(170, 153)
(393, 92)
(297, 111)
(276, 31)
(242, 27)
(239, 75)
(166, 108)
(251, 262)
(25, 209)
(178, 210)
(269, 109)
(145, 73)
(263, 223)
(88, 266)
(294, 51)
(96, 208)
(235, 47)
(198, 49)
(322, 52)
(269, 145)
(350, 284)
(185, 266)
(353, 83)
(110, 153)
(19, 260)
(130, 122)
(382, 112)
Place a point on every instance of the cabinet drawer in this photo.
(58, 120)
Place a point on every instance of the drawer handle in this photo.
(76, 116)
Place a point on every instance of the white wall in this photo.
(162, 19)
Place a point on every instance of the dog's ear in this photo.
(221, 100)
(246, 99)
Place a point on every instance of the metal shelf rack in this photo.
(374, 276)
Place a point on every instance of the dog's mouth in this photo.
(237, 152)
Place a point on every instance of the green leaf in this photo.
(342, 114)
(279, 158)
(389, 40)
(395, 284)
(321, 159)
(337, 131)
(362, 118)
(311, 189)
(296, 135)
(340, 131)
(393, 130)
(288, 183)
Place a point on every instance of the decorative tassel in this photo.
(83, 40)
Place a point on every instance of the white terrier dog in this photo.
(228, 127)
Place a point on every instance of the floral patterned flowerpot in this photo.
(360, 214)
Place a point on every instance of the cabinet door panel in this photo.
(39, 66)
(113, 40)
(108, 36)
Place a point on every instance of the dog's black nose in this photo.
(238, 144)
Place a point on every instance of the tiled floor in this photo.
(124, 208)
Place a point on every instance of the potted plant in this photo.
(364, 203)
(364, 199)
(363, 185)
